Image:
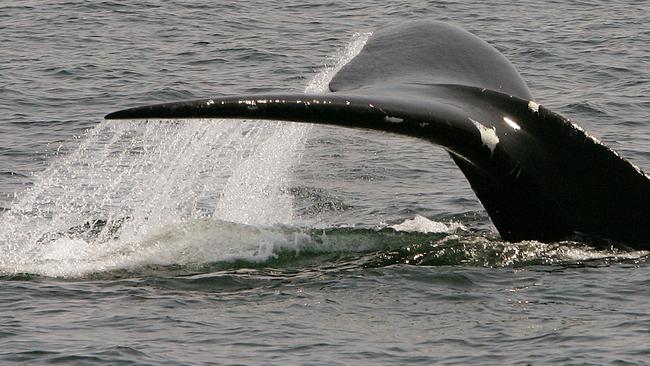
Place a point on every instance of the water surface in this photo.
(221, 242)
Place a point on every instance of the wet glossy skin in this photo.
(539, 176)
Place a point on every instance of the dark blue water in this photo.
(242, 242)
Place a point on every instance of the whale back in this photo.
(429, 53)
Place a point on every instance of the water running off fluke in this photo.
(115, 200)
(538, 175)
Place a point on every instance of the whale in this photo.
(538, 175)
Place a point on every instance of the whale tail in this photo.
(539, 176)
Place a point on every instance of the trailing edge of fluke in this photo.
(539, 176)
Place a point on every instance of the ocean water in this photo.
(246, 242)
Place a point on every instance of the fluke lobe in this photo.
(539, 176)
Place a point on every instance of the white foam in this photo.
(423, 225)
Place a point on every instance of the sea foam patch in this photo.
(424, 225)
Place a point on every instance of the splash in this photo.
(251, 197)
(424, 225)
(112, 202)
